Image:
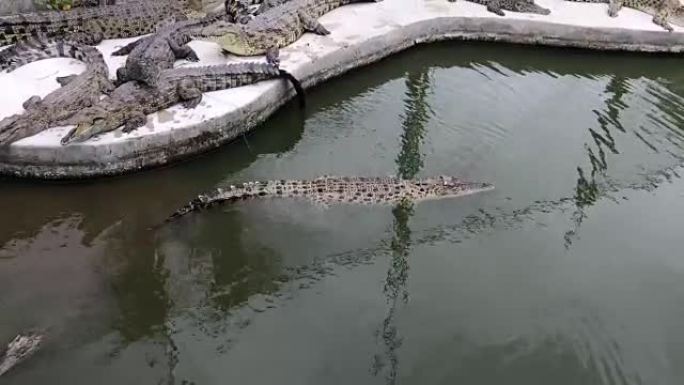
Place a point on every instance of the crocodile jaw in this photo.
(86, 130)
(237, 44)
(450, 187)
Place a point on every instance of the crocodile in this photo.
(131, 102)
(18, 350)
(327, 190)
(148, 56)
(664, 12)
(93, 24)
(56, 108)
(522, 6)
(275, 28)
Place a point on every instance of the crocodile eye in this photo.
(98, 120)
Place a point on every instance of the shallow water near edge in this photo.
(570, 272)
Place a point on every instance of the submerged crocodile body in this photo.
(664, 12)
(275, 28)
(77, 91)
(329, 190)
(18, 350)
(149, 56)
(522, 6)
(131, 102)
(93, 24)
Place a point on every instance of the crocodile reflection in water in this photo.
(587, 190)
(410, 162)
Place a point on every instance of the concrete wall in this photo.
(379, 29)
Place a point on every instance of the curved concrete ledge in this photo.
(361, 34)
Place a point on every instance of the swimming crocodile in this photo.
(522, 6)
(330, 189)
(56, 108)
(663, 11)
(275, 28)
(148, 56)
(93, 24)
(18, 350)
(131, 102)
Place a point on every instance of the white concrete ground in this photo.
(361, 33)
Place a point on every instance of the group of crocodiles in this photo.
(149, 82)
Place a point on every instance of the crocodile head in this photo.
(237, 43)
(528, 6)
(18, 350)
(449, 187)
(98, 121)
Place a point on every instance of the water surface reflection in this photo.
(567, 273)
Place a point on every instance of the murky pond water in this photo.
(570, 272)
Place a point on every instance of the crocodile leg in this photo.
(121, 76)
(64, 80)
(189, 94)
(272, 56)
(134, 120)
(614, 6)
(31, 102)
(312, 25)
(183, 51)
(661, 17)
(125, 50)
(106, 86)
(494, 6)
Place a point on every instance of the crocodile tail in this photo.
(35, 49)
(297, 86)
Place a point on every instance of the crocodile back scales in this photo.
(328, 190)
(116, 21)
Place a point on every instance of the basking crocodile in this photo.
(131, 102)
(149, 56)
(273, 29)
(663, 11)
(21, 348)
(77, 91)
(328, 190)
(92, 25)
(522, 6)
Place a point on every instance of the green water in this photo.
(570, 272)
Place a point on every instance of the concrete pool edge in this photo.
(164, 147)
